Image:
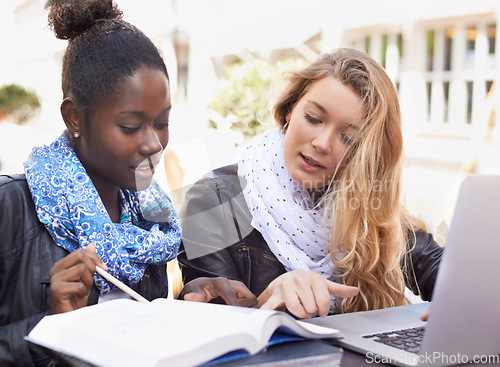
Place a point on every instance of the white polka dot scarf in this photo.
(281, 209)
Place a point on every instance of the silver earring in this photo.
(76, 134)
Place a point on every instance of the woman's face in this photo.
(321, 127)
(127, 133)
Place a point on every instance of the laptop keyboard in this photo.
(406, 339)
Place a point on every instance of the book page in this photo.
(221, 319)
(260, 323)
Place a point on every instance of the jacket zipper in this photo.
(259, 251)
(247, 249)
(44, 295)
(248, 258)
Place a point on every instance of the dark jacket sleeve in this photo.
(208, 229)
(23, 297)
(218, 239)
(423, 264)
(14, 350)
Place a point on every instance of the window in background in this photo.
(459, 60)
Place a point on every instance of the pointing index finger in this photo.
(341, 290)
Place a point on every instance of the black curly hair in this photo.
(102, 50)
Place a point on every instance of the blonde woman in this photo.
(310, 219)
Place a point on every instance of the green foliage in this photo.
(244, 95)
(18, 103)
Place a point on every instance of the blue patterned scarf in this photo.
(68, 204)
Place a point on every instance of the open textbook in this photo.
(165, 332)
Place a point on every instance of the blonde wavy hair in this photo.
(371, 229)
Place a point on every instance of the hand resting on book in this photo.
(206, 289)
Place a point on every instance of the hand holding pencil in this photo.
(71, 279)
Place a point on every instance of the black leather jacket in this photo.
(218, 240)
(27, 253)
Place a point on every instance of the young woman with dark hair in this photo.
(89, 198)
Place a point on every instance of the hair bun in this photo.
(70, 18)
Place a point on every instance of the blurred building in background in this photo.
(442, 56)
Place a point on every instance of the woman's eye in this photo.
(129, 130)
(311, 119)
(346, 139)
(162, 125)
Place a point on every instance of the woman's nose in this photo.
(150, 143)
(323, 141)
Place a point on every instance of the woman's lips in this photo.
(147, 168)
(311, 162)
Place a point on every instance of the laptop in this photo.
(464, 324)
